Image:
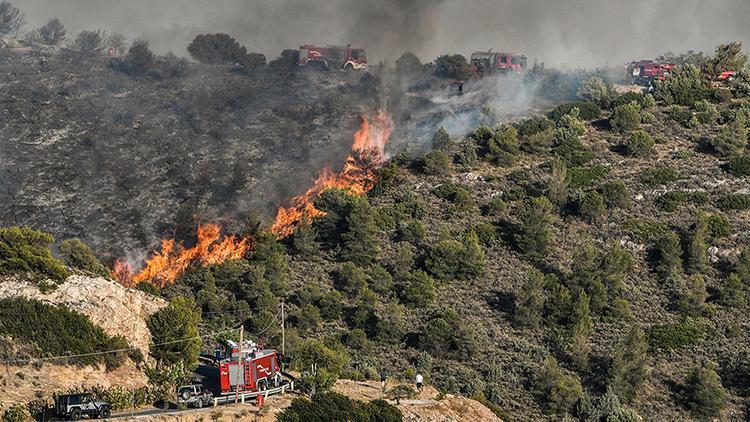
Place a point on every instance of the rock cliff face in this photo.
(118, 310)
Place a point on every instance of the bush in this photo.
(640, 144)
(595, 90)
(615, 194)
(645, 101)
(537, 134)
(533, 237)
(408, 65)
(628, 370)
(661, 175)
(58, 331)
(17, 412)
(696, 260)
(419, 291)
(587, 111)
(79, 255)
(453, 66)
(360, 242)
(457, 194)
(668, 337)
(307, 318)
(53, 32)
(561, 389)
(89, 42)
(626, 118)
(447, 335)
(684, 86)
(741, 83)
(579, 177)
(11, 19)
(436, 163)
(591, 207)
(223, 49)
(496, 207)
(503, 147)
(441, 140)
(25, 250)
(671, 201)
(178, 321)
(703, 393)
(739, 166)
(529, 305)
(693, 299)
(732, 141)
(734, 201)
(566, 142)
(287, 61)
(170, 66)
(719, 226)
(139, 60)
(668, 255)
(707, 112)
(727, 57)
(450, 259)
(331, 406)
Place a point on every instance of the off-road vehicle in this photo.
(194, 395)
(74, 406)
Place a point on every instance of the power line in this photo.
(48, 358)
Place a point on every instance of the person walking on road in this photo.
(419, 382)
(383, 376)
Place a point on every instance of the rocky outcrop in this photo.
(118, 310)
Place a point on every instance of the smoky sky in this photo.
(572, 33)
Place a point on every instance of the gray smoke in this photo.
(576, 33)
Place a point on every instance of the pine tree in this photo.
(696, 260)
(733, 294)
(361, 244)
(557, 183)
(534, 239)
(669, 260)
(442, 140)
(628, 370)
(693, 299)
(578, 346)
(703, 393)
(743, 266)
(530, 301)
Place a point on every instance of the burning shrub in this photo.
(25, 250)
(452, 66)
(79, 255)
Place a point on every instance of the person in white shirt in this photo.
(419, 382)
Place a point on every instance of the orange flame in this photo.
(172, 260)
(358, 175)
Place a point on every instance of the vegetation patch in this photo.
(667, 337)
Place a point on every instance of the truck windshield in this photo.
(358, 54)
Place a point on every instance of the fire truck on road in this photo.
(332, 57)
(248, 368)
(488, 62)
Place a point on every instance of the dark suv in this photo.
(73, 406)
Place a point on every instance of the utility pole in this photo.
(239, 366)
(283, 336)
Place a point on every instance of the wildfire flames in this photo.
(166, 265)
(358, 175)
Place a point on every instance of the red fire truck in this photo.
(332, 57)
(486, 62)
(249, 367)
(645, 72)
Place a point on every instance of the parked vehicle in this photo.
(489, 62)
(333, 57)
(74, 406)
(249, 368)
(194, 395)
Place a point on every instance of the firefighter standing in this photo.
(419, 382)
(383, 376)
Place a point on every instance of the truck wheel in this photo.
(199, 403)
(185, 395)
(105, 413)
(348, 67)
(75, 414)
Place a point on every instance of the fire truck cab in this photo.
(487, 62)
(332, 57)
(249, 368)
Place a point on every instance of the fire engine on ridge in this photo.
(488, 62)
(332, 57)
(645, 72)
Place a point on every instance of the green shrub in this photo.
(739, 166)
(561, 389)
(668, 255)
(17, 413)
(640, 144)
(178, 321)
(451, 259)
(693, 299)
(683, 116)
(419, 291)
(707, 112)
(534, 125)
(442, 140)
(629, 371)
(459, 195)
(307, 318)
(591, 207)
(669, 337)
(79, 255)
(733, 294)
(719, 226)
(58, 331)
(696, 260)
(436, 163)
(453, 66)
(732, 141)
(457, 378)
(615, 194)
(447, 335)
(529, 305)
(496, 207)
(25, 250)
(661, 175)
(587, 111)
(533, 237)
(703, 393)
(626, 118)
(671, 201)
(331, 406)
(304, 240)
(595, 90)
(685, 85)
(645, 101)
(734, 201)
(351, 279)
(360, 241)
(580, 177)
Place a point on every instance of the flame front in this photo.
(358, 175)
(173, 259)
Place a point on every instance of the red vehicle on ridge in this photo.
(645, 72)
(488, 62)
(332, 57)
